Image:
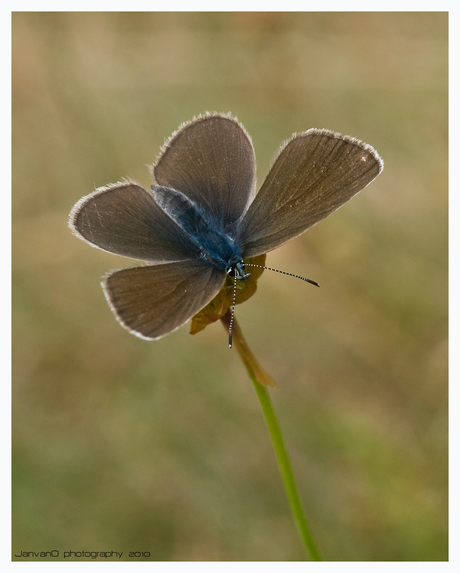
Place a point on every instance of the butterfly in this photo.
(203, 217)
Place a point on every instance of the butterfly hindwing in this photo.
(124, 219)
(211, 160)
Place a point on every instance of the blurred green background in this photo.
(126, 445)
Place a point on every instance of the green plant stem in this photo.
(286, 470)
(261, 380)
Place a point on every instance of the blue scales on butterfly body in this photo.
(216, 245)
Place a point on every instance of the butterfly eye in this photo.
(237, 271)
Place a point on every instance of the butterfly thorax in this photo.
(215, 245)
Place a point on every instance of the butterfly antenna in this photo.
(283, 273)
(230, 328)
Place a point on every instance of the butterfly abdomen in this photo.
(215, 244)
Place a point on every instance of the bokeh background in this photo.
(127, 445)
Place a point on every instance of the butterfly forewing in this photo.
(154, 300)
(124, 219)
(212, 161)
(315, 173)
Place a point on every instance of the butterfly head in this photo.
(236, 269)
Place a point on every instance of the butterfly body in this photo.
(215, 244)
